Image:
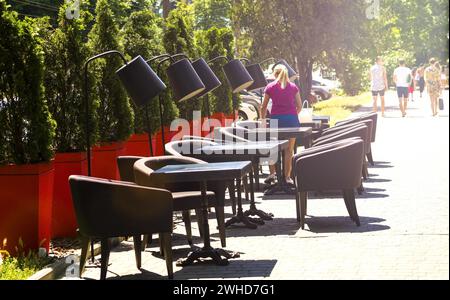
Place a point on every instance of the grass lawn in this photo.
(341, 107)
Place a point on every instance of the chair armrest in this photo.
(109, 208)
(336, 168)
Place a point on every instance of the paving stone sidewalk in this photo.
(404, 219)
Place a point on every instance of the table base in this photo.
(253, 211)
(251, 223)
(205, 252)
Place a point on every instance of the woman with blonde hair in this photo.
(286, 105)
(433, 84)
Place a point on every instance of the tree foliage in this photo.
(216, 42)
(65, 53)
(114, 113)
(212, 13)
(178, 38)
(142, 36)
(298, 31)
(27, 129)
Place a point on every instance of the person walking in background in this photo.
(378, 83)
(402, 78)
(286, 105)
(421, 79)
(433, 84)
(412, 85)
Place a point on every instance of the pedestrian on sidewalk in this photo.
(286, 105)
(421, 79)
(378, 83)
(433, 84)
(402, 78)
(412, 85)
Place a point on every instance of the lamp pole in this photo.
(160, 58)
(86, 107)
(208, 111)
(86, 100)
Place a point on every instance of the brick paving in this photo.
(404, 220)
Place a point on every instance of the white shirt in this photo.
(402, 74)
(377, 83)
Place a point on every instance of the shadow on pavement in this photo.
(278, 226)
(244, 268)
(344, 224)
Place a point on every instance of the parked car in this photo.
(247, 112)
(321, 90)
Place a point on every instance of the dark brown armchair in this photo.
(186, 196)
(359, 130)
(334, 166)
(105, 209)
(373, 116)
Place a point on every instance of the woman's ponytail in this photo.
(281, 74)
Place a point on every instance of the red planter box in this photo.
(104, 160)
(64, 222)
(26, 195)
(137, 145)
(168, 135)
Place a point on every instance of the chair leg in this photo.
(137, 250)
(370, 158)
(303, 200)
(187, 225)
(351, 196)
(232, 192)
(297, 205)
(245, 182)
(144, 242)
(256, 178)
(105, 243)
(84, 250)
(365, 170)
(199, 214)
(167, 244)
(220, 216)
(345, 194)
(161, 245)
(360, 189)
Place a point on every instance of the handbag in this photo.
(441, 103)
(306, 114)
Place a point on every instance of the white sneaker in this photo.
(270, 178)
(289, 181)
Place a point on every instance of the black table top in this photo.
(239, 151)
(201, 172)
(262, 148)
(284, 133)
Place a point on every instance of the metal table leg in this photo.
(207, 251)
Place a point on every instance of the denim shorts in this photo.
(376, 93)
(285, 121)
(402, 92)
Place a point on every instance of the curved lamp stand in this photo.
(140, 82)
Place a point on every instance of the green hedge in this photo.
(143, 36)
(114, 113)
(65, 54)
(27, 128)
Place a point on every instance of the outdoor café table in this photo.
(244, 151)
(203, 173)
(303, 134)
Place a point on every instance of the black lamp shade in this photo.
(259, 80)
(237, 75)
(140, 81)
(291, 72)
(207, 76)
(184, 81)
